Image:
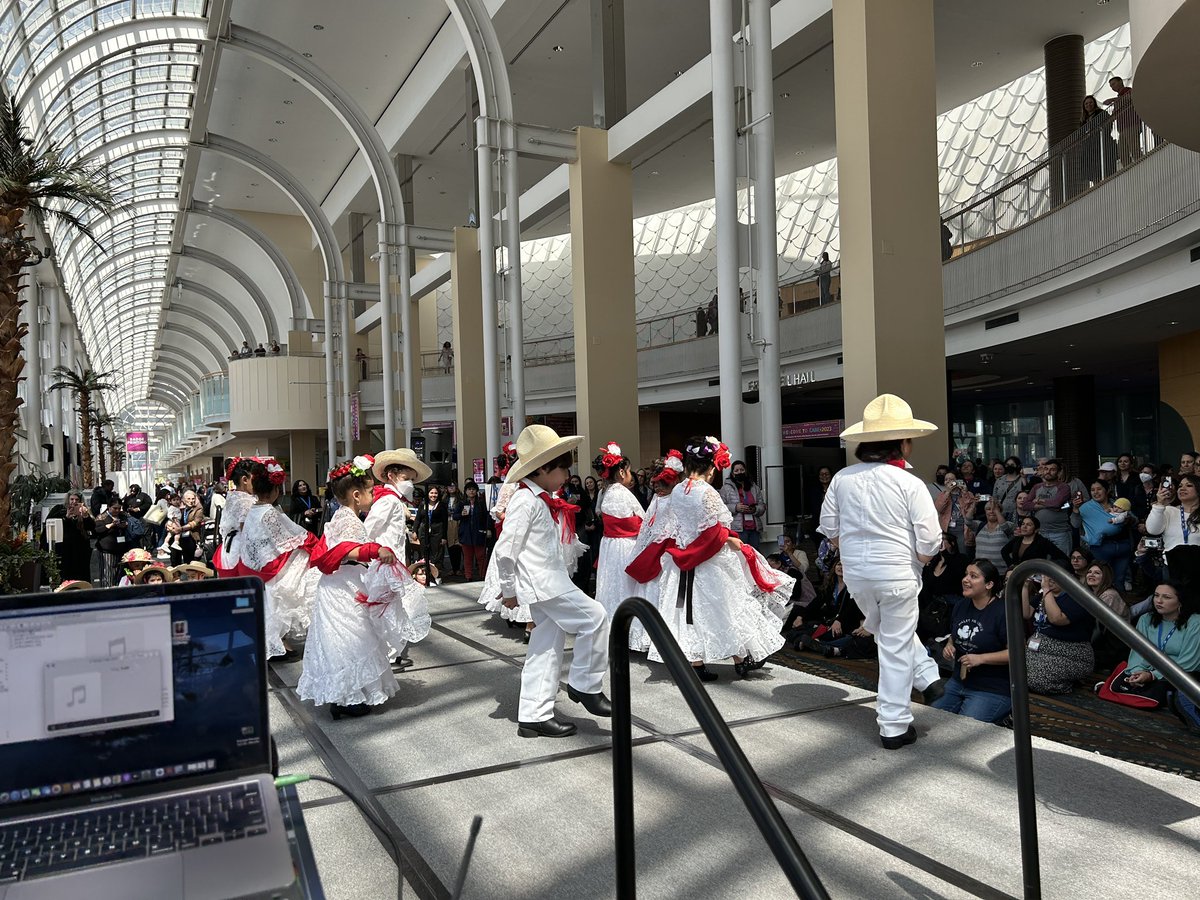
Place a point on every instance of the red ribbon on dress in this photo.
(275, 566)
(761, 574)
(628, 527)
(328, 559)
(218, 564)
(647, 565)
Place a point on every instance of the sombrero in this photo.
(536, 446)
(167, 574)
(401, 457)
(887, 418)
(196, 568)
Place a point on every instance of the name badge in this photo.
(1034, 643)
(120, 538)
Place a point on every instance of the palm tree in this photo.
(83, 384)
(116, 450)
(30, 179)
(101, 421)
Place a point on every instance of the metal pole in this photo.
(516, 324)
(487, 265)
(729, 342)
(330, 379)
(72, 418)
(765, 214)
(1022, 742)
(412, 419)
(33, 384)
(347, 363)
(56, 402)
(387, 337)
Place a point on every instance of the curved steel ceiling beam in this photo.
(183, 377)
(299, 301)
(247, 283)
(180, 355)
(231, 308)
(207, 321)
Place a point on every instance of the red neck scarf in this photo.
(562, 512)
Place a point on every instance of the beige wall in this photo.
(1178, 375)
(650, 436)
(277, 393)
(294, 238)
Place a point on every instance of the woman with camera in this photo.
(1176, 524)
(955, 506)
(111, 540)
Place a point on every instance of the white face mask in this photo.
(405, 488)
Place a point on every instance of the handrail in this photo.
(1019, 687)
(770, 823)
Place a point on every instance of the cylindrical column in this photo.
(33, 369)
(387, 338)
(331, 378)
(1066, 84)
(516, 324)
(729, 342)
(770, 403)
(56, 400)
(407, 349)
(347, 363)
(487, 269)
(72, 419)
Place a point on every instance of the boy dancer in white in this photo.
(882, 519)
(531, 563)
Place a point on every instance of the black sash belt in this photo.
(684, 597)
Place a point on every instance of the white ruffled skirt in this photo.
(613, 584)
(730, 615)
(347, 659)
(398, 605)
(489, 598)
(289, 600)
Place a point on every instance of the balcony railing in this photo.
(214, 398)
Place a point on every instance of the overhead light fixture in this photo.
(270, 140)
(1172, 323)
(678, 72)
(785, 95)
(558, 48)
(287, 102)
(280, 122)
(977, 64)
(318, 28)
(308, 56)
(1076, 368)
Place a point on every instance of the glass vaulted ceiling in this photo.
(112, 83)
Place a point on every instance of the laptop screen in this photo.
(109, 693)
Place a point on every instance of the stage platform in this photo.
(935, 820)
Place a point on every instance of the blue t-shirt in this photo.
(980, 631)
(1078, 631)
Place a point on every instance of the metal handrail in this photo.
(1019, 687)
(770, 823)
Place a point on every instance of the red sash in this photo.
(561, 511)
(621, 528)
(275, 566)
(647, 565)
(328, 559)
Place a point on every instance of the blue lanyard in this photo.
(1183, 524)
(1162, 645)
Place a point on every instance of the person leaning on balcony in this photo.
(245, 352)
(1098, 151)
(361, 358)
(1129, 123)
(825, 278)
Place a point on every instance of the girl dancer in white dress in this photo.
(718, 598)
(621, 516)
(347, 660)
(239, 497)
(276, 549)
(665, 472)
(393, 596)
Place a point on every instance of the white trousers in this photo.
(573, 613)
(890, 611)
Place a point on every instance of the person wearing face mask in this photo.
(1006, 488)
(745, 502)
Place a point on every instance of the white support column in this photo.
(33, 373)
(347, 363)
(487, 269)
(56, 400)
(330, 375)
(387, 337)
(70, 337)
(770, 403)
(729, 343)
(516, 322)
(409, 363)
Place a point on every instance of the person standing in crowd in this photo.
(1125, 484)
(431, 528)
(474, 523)
(1129, 123)
(75, 551)
(955, 506)
(275, 349)
(305, 509)
(260, 350)
(746, 503)
(1098, 153)
(701, 322)
(101, 497)
(245, 352)
(622, 514)
(1187, 462)
(882, 520)
(1104, 529)
(1176, 524)
(989, 541)
(1029, 544)
(976, 483)
(453, 502)
(361, 359)
(1143, 497)
(978, 649)
(714, 319)
(825, 279)
(531, 561)
(1050, 502)
(136, 504)
(111, 540)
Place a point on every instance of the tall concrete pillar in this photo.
(54, 336)
(892, 321)
(302, 458)
(1075, 424)
(606, 376)
(1066, 84)
(466, 289)
(33, 373)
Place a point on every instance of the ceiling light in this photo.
(654, 172)
(308, 56)
(678, 72)
(800, 152)
(1172, 323)
(784, 95)
(977, 64)
(271, 140)
(318, 28)
(287, 102)
(558, 48)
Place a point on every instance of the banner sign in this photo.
(356, 416)
(477, 471)
(812, 431)
(135, 442)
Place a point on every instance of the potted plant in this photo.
(23, 565)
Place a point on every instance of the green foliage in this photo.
(28, 491)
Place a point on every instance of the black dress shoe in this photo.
(903, 740)
(748, 665)
(401, 663)
(551, 728)
(356, 711)
(704, 673)
(934, 691)
(597, 704)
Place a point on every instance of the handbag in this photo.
(156, 516)
(1117, 690)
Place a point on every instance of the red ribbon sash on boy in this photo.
(614, 527)
(562, 512)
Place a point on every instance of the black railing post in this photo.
(762, 810)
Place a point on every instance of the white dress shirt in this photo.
(882, 517)
(529, 554)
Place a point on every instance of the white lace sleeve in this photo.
(506, 493)
(715, 507)
(345, 526)
(655, 525)
(233, 515)
(619, 502)
(267, 535)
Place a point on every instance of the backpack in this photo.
(1116, 690)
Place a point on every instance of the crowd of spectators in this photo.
(247, 352)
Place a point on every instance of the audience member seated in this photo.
(1166, 627)
(941, 586)
(818, 616)
(992, 537)
(1109, 648)
(978, 649)
(1028, 544)
(1081, 558)
(846, 637)
(1059, 653)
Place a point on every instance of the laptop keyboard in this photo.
(80, 840)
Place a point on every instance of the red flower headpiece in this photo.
(610, 457)
(359, 466)
(509, 450)
(671, 470)
(722, 459)
(275, 472)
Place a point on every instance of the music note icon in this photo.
(117, 647)
(78, 695)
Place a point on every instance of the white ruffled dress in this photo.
(347, 659)
(613, 585)
(266, 537)
(731, 615)
(658, 508)
(396, 600)
(489, 594)
(233, 517)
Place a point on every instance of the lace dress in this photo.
(489, 594)
(275, 548)
(731, 614)
(618, 506)
(347, 660)
(233, 517)
(396, 600)
(657, 512)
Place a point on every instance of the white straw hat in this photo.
(887, 418)
(536, 446)
(401, 457)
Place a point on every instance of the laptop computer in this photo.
(135, 751)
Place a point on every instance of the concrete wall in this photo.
(277, 393)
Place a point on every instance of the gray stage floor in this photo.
(936, 820)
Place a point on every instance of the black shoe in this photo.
(551, 728)
(353, 712)
(401, 663)
(806, 642)
(903, 740)
(748, 665)
(831, 652)
(526, 633)
(705, 674)
(934, 692)
(597, 704)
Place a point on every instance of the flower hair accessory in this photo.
(275, 472)
(722, 459)
(358, 467)
(672, 469)
(509, 450)
(611, 455)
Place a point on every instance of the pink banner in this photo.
(812, 431)
(135, 442)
